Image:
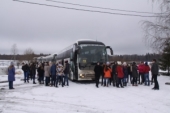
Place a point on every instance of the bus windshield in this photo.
(90, 54)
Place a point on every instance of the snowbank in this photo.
(19, 75)
(3, 70)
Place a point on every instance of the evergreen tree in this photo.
(165, 59)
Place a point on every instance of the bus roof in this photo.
(84, 40)
(80, 41)
(89, 42)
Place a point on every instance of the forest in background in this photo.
(147, 57)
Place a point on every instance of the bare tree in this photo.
(14, 51)
(29, 54)
(157, 34)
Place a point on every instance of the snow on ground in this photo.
(84, 98)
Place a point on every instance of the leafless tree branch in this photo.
(157, 34)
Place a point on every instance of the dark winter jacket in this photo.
(125, 71)
(67, 68)
(30, 70)
(114, 69)
(134, 71)
(53, 70)
(33, 69)
(98, 70)
(11, 74)
(155, 69)
(129, 70)
(40, 71)
(103, 67)
(25, 68)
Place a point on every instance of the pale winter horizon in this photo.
(48, 29)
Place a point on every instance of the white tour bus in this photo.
(82, 57)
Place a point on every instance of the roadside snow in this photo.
(18, 76)
(85, 98)
(82, 98)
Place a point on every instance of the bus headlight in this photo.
(81, 75)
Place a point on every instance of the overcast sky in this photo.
(48, 29)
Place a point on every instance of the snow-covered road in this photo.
(85, 98)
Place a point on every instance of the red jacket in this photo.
(147, 69)
(141, 68)
(119, 70)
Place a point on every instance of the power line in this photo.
(82, 9)
(101, 7)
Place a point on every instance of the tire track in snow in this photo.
(28, 102)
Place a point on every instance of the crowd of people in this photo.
(119, 74)
(116, 74)
(54, 74)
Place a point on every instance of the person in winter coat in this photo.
(111, 79)
(147, 69)
(53, 74)
(134, 70)
(107, 73)
(50, 64)
(125, 71)
(11, 75)
(25, 68)
(141, 69)
(120, 74)
(66, 72)
(98, 72)
(41, 74)
(30, 72)
(155, 71)
(152, 80)
(60, 74)
(114, 73)
(47, 74)
(103, 83)
(129, 73)
(33, 72)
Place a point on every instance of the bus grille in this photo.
(89, 75)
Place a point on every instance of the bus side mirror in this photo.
(111, 50)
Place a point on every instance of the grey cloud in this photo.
(49, 30)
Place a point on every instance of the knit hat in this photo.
(119, 63)
(124, 63)
(107, 63)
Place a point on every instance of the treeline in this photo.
(147, 57)
(21, 57)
